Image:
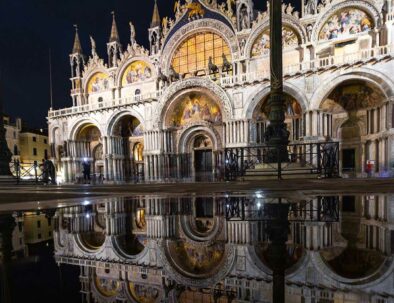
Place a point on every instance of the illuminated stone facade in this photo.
(206, 75)
(182, 249)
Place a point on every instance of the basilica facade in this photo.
(171, 110)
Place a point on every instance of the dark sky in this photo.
(29, 28)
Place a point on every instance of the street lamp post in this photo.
(277, 135)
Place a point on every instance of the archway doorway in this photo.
(203, 158)
(293, 119)
(88, 152)
(128, 133)
(356, 116)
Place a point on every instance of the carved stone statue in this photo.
(244, 18)
(132, 33)
(93, 43)
(309, 30)
(310, 7)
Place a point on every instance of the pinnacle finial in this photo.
(156, 16)
(77, 48)
(114, 30)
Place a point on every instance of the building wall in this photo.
(31, 142)
(37, 228)
(314, 69)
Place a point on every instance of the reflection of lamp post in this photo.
(277, 215)
(277, 134)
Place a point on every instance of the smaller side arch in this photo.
(191, 132)
(264, 90)
(115, 117)
(78, 124)
(362, 4)
(122, 69)
(379, 80)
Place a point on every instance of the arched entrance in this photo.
(87, 152)
(293, 119)
(193, 122)
(128, 150)
(202, 157)
(355, 115)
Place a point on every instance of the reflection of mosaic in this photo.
(199, 259)
(344, 23)
(107, 287)
(263, 43)
(195, 107)
(98, 83)
(293, 109)
(135, 72)
(355, 97)
(144, 293)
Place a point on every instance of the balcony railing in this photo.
(224, 80)
(105, 104)
(312, 65)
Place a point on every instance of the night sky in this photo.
(30, 28)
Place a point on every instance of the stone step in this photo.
(272, 177)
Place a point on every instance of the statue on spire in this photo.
(93, 43)
(132, 33)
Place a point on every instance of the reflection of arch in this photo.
(198, 84)
(263, 91)
(363, 5)
(377, 79)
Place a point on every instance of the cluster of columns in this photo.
(317, 123)
(237, 132)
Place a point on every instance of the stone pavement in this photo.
(24, 193)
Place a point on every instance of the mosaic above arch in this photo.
(262, 43)
(194, 107)
(98, 82)
(292, 106)
(346, 22)
(353, 96)
(137, 71)
(107, 287)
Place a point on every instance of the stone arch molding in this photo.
(115, 117)
(198, 26)
(289, 21)
(177, 88)
(200, 128)
(365, 5)
(79, 123)
(263, 91)
(385, 84)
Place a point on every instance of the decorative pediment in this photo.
(94, 63)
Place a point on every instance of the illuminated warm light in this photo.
(193, 54)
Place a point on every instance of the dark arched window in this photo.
(15, 150)
(137, 94)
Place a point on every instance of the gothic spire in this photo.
(114, 30)
(77, 48)
(156, 16)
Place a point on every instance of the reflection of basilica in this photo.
(206, 74)
(182, 249)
